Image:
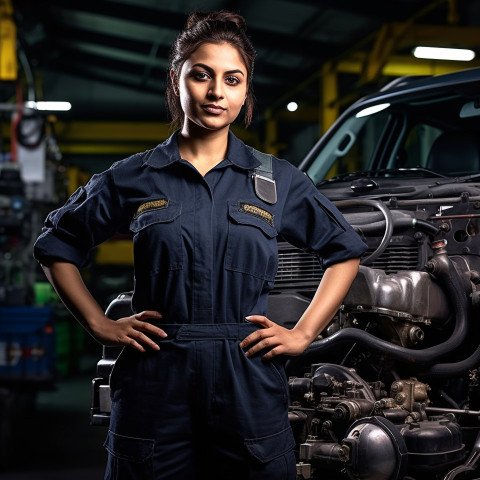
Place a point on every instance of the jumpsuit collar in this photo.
(167, 153)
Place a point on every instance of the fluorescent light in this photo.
(437, 53)
(292, 106)
(371, 110)
(50, 106)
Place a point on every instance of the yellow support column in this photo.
(271, 140)
(8, 43)
(328, 97)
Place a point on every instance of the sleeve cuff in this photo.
(48, 247)
(348, 245)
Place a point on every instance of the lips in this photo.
(214, 109)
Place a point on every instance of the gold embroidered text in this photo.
(257, 212)
(153, 205)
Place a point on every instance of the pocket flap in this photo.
(133, 449)
(247, 213)
(266, 449)
(164, 214)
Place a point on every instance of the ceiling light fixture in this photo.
(437, 53)
(49, 106)
(292, 106)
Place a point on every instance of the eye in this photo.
(232, 80)
(201, 75)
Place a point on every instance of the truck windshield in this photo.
(431, 136)
(351, 148)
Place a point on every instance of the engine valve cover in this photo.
(412, 292)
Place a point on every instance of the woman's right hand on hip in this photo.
(130, 331)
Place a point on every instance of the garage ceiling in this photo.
(109, 57)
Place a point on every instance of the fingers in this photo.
(134, 331)
(272, 353)
(272, 340)
(137, 338)
(130, 342)
(140, 328)
(257, 335)
(148, 327)
(261, 320)
(262, 338)
(147, 315)
(262, 344)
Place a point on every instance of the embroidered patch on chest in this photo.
(152, 205)
(256, 211)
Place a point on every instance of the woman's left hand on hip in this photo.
(273, 338)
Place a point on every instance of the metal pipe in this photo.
(457, 411)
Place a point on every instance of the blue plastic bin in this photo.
(27, 344)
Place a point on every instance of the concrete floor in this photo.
(56, 441)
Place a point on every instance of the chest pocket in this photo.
(252, 240)
(157, 240)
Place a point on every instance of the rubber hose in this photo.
(426, 227)
(442, 267)
(447, 370)
(388, 224)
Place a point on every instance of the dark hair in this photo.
(210, 27)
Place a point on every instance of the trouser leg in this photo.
(249, 433)
(152, 408)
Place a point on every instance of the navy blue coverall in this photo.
(205, 252)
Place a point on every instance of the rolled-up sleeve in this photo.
(312, 222)
(90, 216)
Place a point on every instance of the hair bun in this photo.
(217, 16)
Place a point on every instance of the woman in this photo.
(199, 390)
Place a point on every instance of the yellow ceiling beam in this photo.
(399, 65)
(120, 130)
(106, 131)
(120, 138)
(395, 37)
(439, 36)
(120, 149)
(386, 43)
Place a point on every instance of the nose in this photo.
(216, 88)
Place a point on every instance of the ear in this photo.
(173, 79)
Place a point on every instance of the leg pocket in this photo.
(272, 456)
(129, 458)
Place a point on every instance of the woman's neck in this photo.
(203, 148)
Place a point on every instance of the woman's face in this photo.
(212, 86)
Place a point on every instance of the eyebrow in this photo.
(210, 69)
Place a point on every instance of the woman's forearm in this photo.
(132, 331)
(277, 340)
(68, 283)
(328, 297)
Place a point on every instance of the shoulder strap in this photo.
(265, 168)
(265, 186)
